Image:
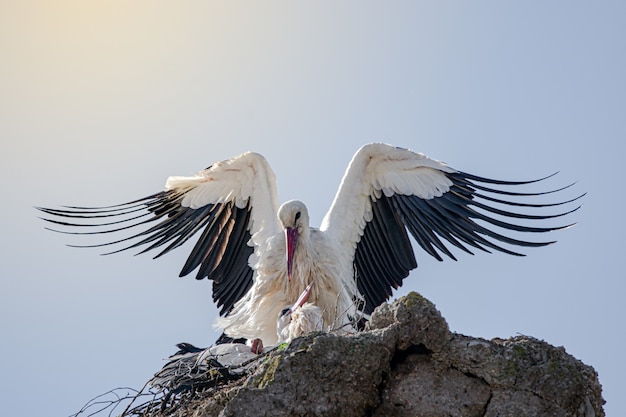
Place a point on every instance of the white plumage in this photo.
(303, 320)
(300, 319)
(261, 256)
(315, 259)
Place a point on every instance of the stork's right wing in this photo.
(233, 203)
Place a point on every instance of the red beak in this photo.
(291, 237)
(302, 299)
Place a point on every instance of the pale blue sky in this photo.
(100, 101)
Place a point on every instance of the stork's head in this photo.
(294, 217)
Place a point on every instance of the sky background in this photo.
(100, 101)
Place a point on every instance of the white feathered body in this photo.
(304, 320)
(315, 260)
(325, 256)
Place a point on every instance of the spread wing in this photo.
(232, 204)
(387, 191)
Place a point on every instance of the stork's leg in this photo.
(257, 346)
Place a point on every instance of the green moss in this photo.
(519, 352)
(412, 299)
(214, 374)
(516, 362)
(268, 376)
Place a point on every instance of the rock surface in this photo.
(408, 363)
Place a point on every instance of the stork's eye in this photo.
(298, 214)
(285, 311)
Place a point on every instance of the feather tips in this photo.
(388, 190)
(386, 194)
(232, 203)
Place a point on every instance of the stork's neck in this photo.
(304, 257)
(312, 264)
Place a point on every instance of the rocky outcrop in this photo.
(407, 362)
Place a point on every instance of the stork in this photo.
(261, 257)
(299, 319)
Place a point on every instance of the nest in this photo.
(191, 375)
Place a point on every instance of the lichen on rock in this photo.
(407, 362)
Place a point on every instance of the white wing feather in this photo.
(245, 177)
(378, 169)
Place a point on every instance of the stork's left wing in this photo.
(232, 202)
(387, 190)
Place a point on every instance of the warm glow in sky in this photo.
(100, 101)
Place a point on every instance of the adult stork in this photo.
(261, 256)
